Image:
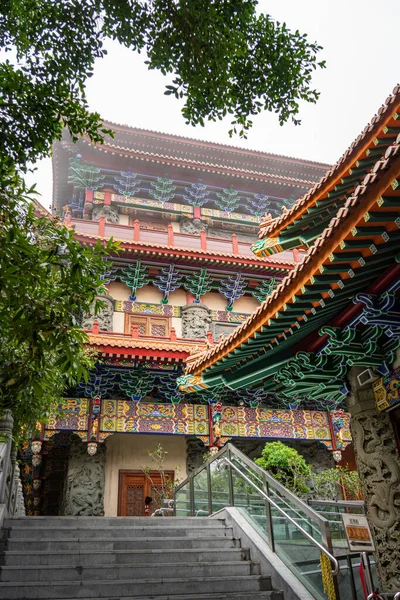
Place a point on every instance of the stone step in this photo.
(139, 570)
(110, 544)
(95, 533)
(95, 557)
(114, 522)
(134, 588)
(270, 595)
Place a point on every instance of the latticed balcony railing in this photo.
(169, 237)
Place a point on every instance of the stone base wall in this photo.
(84, 482)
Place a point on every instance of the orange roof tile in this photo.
(385, 171)
(126, 341)
(356, 149)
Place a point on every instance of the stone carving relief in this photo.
(195, 450)
(196, 321)
(193, 227)
(111, 215)
(379, 468)
(84, 485)
(104, 317)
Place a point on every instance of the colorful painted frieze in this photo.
(387, 390)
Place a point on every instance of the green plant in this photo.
(222, 58)
(47, 282)
(165, 489)
(330, 483)
(287, 466)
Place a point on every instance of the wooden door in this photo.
(135, 487)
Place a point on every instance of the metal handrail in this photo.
(333, 560)
(283, 498)
(344, 503)
(270, 480)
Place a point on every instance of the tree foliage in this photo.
(47, 282)
(286, 465)
(224, 59)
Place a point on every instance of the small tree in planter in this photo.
(163, 490)
(287, 466)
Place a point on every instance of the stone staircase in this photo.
(137, 557)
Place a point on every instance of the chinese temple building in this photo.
(186, 214)
(331, 329)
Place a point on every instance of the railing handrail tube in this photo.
(314, 515)
(344, 503)
(333, 560)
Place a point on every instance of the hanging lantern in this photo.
(36, 460)
(92, 448)
(36, 446)
(337, 455)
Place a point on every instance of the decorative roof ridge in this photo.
(337, 228)
(270, 259)
(216, 145)
(205, 165)
(116, 340)
(274, 227)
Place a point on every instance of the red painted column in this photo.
(235, 244)
(170, 235)
(102, 226)
(107, 198)
(189, 298)
(203, 239)
(196, 212)
(136, 230)
(88, 207)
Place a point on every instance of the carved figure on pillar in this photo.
(104, 317)
(110, 214)
(196, 321)
(84, 490)
(379, 469)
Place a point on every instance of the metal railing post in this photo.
(191, 495)
(367, 572)
(268, 514)
(230, 481)
(209, 497)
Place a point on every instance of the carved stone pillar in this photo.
(104, 317)
(195, 450)
(6, 429)
(84, 483)
(379, 469)
(196, 321)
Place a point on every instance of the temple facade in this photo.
(186, 214)
(331, 328)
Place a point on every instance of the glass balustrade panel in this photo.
(200, 491)
(182, 501)
(299, 554)
(251, 503)
(219, 479)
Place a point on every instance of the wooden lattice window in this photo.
(148, 325)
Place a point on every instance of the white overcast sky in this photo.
(361, 45)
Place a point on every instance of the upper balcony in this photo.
(170, 238)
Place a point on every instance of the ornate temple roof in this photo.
(124, 345)
(310, 214)
(185, 159)
(357, 248)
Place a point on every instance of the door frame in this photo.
(123, 472)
